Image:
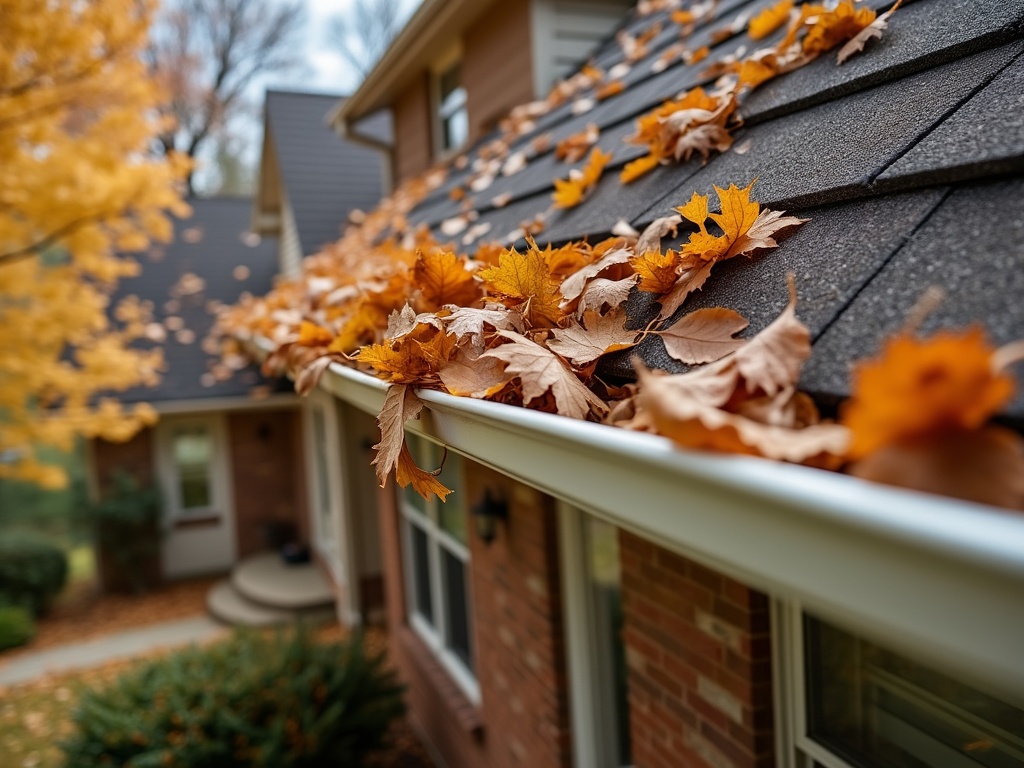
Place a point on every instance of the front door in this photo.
(199, 521)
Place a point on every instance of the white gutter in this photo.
(937, 578)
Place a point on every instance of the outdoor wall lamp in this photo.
(486, 514)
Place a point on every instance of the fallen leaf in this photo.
(601, 292)
(598, 335)
(871, 31)
(468, 321)
(524, 280)
(424, 483)
(657, 271)
(692, 277)
(606, 91)
(771, 361)
(769, 20)
(633, 170)
(575, 283)
(572, 148)
(400, 404)
(469, 375)
(441, 277)
(514, 164)
(653, 233)
(572, 191)
(540, 370)
(704, 336)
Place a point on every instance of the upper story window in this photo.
(861, 705)
(436, 563)
(452, 115)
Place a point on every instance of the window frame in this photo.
(794, 746)
(442, 66)
(220, 505)
(437, 634)
(330, 538)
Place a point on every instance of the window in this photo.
(596, 654)
(437, 567)
(860, 705)
(191, 452)
(452, 115)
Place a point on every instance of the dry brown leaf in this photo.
(598, 335)
(575, 283)
(514, 164)
(693, 275)
(771, 361)
(400, 404)
(309, 377)
(601, 292)
(984, 466)
(525, 279)
(872, 30)
(573, 148)
(650, 239)
(424, 483)
(540, 370)
(704, 336)
(657, 271)
(469, 375)
(440, 278)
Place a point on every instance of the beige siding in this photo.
(497, 70)
(290, 248)
(412, 120)
(565, 33)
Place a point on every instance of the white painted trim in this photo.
(937, 578)
(346, 515)
(234, 403)
(579, 635)
(222, 488)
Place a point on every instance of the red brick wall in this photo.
(136, 457)
(412, 120)
(266, 474)
(523, 717)
(497, 64)
(699, 656)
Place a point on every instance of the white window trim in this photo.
(592, 713)
(451, 57)
(794, 747)
(331, 536)
(436, 638)
(221, 498)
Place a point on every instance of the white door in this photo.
(199, 521)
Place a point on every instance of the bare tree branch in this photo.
(207, 52)
(365, 32)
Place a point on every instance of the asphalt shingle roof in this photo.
(907, 160)
(213, 245)
(325, 177)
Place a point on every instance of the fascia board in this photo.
(937, 578)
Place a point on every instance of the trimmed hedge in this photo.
(33, 571)
(277, 702)
(16, 626)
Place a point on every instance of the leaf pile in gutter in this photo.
(528, 328)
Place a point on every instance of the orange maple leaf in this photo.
(947, 383)
(637, 168)
(523, 280)
(833, 27)
(442, 278)
(572, 191)
(572, 148)
(606, 91)
(657, 271)
(416, 358)
(770, 19)
(312, 335)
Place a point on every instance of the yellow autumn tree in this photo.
(79, 185)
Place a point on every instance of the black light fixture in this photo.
(486, 514)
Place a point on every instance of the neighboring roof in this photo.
(325, 177)
(212, 261)
(907, 160)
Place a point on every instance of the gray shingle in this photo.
(325, 176)
(982, 138)
(972, 247)
(833, 256)
(219, 224)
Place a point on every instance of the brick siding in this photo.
(523, 717)
(699, 657)
(414, 148)
(497, 65)
(266, 475)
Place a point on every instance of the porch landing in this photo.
(263, 590)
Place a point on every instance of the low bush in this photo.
(16, 626)
(276, 702)
(33, 571)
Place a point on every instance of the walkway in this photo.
(125, 644)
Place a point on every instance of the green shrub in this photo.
(126, 521)
(16, 626)
(253, 700)
(33, 571)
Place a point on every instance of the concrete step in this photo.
(226, 604)
(266, 580)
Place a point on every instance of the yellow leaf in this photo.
(524, 280)
(570, 193)
(770, 19)
(637, 168)
(442, 278)
(312, 335)
(657, 271)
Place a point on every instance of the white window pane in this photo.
(192, 451)
(457, 608)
